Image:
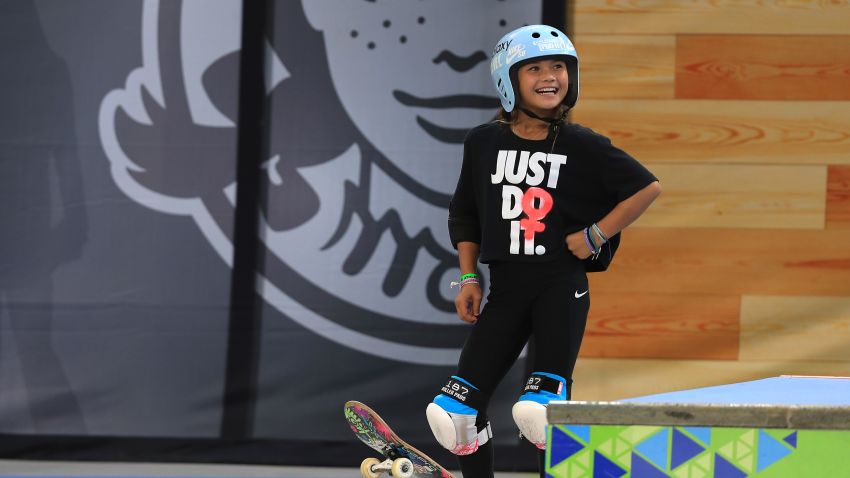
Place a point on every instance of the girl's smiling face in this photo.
(543, 85)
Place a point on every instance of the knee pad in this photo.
(530, 411)
(452, 416)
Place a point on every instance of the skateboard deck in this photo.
(375, 433)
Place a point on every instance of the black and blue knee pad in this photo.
(530, 410)
(452, 416)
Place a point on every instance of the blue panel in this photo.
(784, 390)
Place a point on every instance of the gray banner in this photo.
(118, 160)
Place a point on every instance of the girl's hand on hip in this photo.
(468, 302)
(578, 246)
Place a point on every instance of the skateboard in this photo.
(400, 459)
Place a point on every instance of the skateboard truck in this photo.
(396, 464)
(398, 468)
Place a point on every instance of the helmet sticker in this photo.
(515, 53)
(550, 44)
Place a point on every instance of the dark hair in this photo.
(505, 117)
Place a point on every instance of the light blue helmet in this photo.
(526, 43)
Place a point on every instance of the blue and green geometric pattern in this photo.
(619, 451)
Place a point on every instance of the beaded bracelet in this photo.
(596, 247)
(589, 241)
(470, 280)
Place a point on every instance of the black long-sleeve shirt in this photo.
(520, 198)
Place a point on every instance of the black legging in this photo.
(526, 300)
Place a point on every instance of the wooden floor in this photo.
(14, 468)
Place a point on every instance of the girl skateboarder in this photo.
(541, 202)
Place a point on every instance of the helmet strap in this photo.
(552, 121)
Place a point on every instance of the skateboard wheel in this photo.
(402, 468)
(367, 468)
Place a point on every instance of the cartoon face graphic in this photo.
(414, 75)
(368, 113)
